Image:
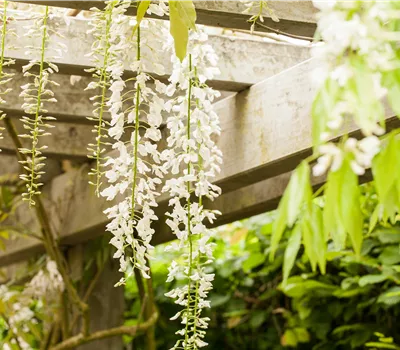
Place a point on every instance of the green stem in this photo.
(103, 83)
(188, 202)
(35, 134)
(196, 295)
(3, 37)
(135, 148)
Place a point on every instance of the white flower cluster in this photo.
(260, 5)
(5, 77)
(108, 28)
(36, 94)
(192, 153)
(19, 316)
(357, 50)
(47, 283)
(136, 169)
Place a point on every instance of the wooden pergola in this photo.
(265, 120)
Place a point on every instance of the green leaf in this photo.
(296, 287)
(384, 168)
(342, 212)
(291, 252)
(381, 345)
(367, 108)
(297, 193)
(219, 299)
(323, 105)
(254, 260)
(302, 335)
(141, 11)
(331, 215)
(182, 18)
(289, 338)
(280, 223)
(390, 297)
(371, 279)
(388, 235)
(390, 255)
(300, 191)
(314, 238)
(391, 81)
(257, 318)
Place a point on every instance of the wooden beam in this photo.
(266, 133)
(78, 215)
(296, 16)
(266, 130)
(67, 141)
(263, 59)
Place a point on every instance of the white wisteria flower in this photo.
(36, 94)
(46, 283)
(108, 28)
(193, 154)
(134, 170)
(356, 58)
(5, 76)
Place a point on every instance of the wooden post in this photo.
(106, 302)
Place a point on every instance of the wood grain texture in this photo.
(266, 133)
(263, 59)
(296, 16)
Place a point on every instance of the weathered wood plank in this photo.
(68, 141)
(78, 216)
(266, 133)
(262, 59)
(267, 128)
(296, 16)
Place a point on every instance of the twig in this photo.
(112, 332)
(277, 31)
(47, 338)
(65, 316)
(149, 307)
(88, 293)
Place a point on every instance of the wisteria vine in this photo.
(135, 171)
(192, 126)
(103, 58)
(5, 77)
(36, 93)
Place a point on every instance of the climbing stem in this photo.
(136, 131)
(38, 109)
(188, 204)
(103, 80)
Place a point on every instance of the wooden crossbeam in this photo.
(266, 132)
(297, 17)
(263, 59)
(79, 216)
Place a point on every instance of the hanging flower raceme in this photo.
(357, 70)
(358, 66)
(47, 283)
(107, 51)
(192, 153)
(36, 94)
(134, 170)
(5, 77)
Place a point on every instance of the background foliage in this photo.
(346, 308)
